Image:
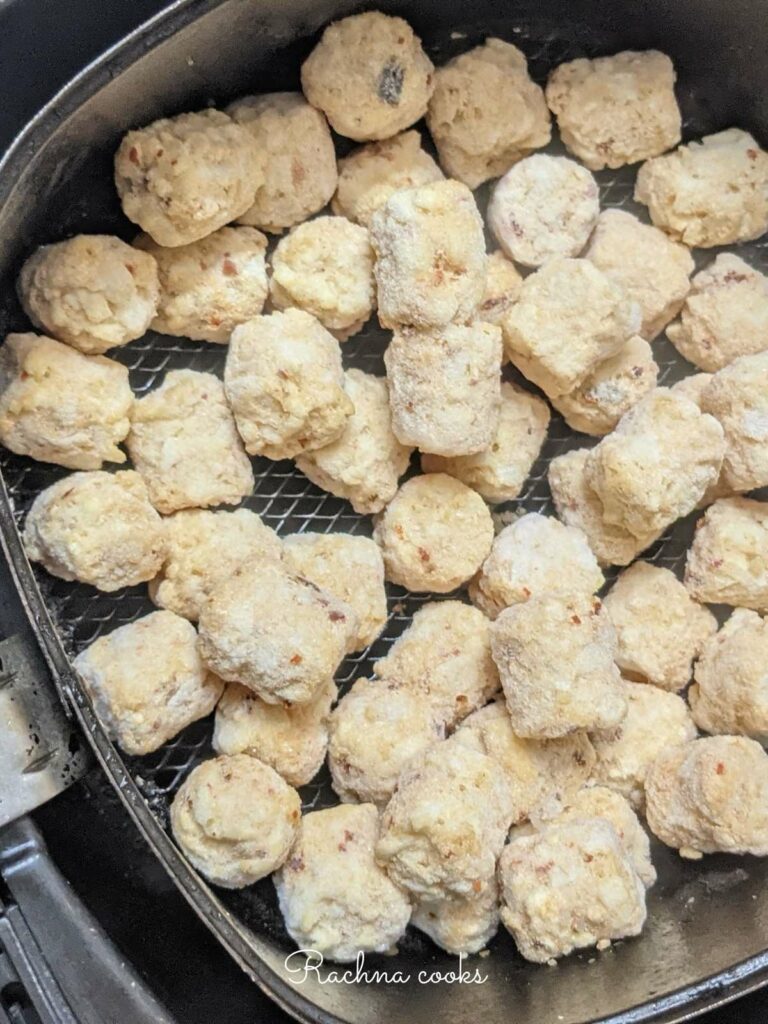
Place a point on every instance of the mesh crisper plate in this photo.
(289, 503)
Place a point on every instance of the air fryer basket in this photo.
(708, 924)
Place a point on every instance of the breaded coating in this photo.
(446, 649)
(544, 207)
(728, 560)
(542, 775)
(325, 267)
(692, 387)
(724, 316)
(351, 568)
(333, 895)
(445, 388)
(277, 634)
(430, 256)
(653, 270)
(235, 820)
(503, 282)
(616, 110)
(534, 556)
(460, 925)
(181, 178)
(147, 681)
(611, 389)
(369, 76)
(712, 192)
(365, 463)
(372, 173)
(209, 287)
(579, 506)
(737, 396)
(291, 739)
(375, 730)
(486, 112)
(710, 796)
(657, 464)
(569, 886)
(660, 630)
(569, 318)
(204, 548)
(434, 534)
(184, 443)
(601, 802)
(555, 657)
(285, 384)
(499, 472)
(93, 292)
(98, 528)
(58, 405)
(655, 722)
(299, 159)
(444, 828)
(729, 694)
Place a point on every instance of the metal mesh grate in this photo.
(289, 503)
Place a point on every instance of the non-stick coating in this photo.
(703, 918)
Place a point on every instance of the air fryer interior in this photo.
(703, 918)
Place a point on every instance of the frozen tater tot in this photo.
(611, 389)
(147, 681)
(728, 560)
(98, 528)
(710, 796)
(285, 384)
(325, 267)
(349, 567)
(93, 292)
(447, 650)
(235, 819)
(486, 112)
(58, 405)
(333, 895)
(292, 739)
(369, 75)
(535, 555)
(445, 388)
(365, 463)
(181, 178)
(434, 534)
(375, 730)
(657, 464)
(430, 256)
(712, 192)
(277, 634)
(578, 505)
(724, 316)
(616, 110)
(569, 318)
(555, 658)
(202, 549)
(569, 886)
(656, 721)
(499, 473)
(444, 828)
(210, 286)
(184, 442)
(544, 207)
(295, 144)
(660, 629)
(369, 175)
(729, 693)
(652, 269)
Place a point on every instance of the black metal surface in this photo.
(186, 68)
